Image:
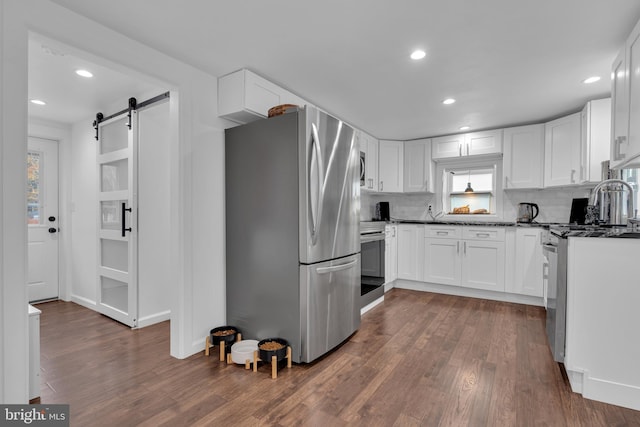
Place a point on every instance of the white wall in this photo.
(83, 214)
(197, 242)
(154, 255)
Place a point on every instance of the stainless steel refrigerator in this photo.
(292, 231)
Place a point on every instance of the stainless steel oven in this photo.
(372, 261)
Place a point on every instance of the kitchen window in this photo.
(471, 188)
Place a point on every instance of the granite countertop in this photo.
(474, 223)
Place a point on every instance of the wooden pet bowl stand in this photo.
(223, 350)
(274, 362)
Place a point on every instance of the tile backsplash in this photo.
(554, 203)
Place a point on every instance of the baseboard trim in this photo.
(85, 302)
(468, 292)
(611, 392)
(154, 318)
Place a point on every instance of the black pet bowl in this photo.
(226, 334)
(266, 354)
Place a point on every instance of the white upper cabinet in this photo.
(390, 166)
(487, 142)
(523, 157)
(243, 96)
(595, 139)
(444, 147)
(619, 110)
(369, 159)
(633, 62)
(469, 144)
(418, 173)
(562, 151)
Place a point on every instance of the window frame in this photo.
(443, 169)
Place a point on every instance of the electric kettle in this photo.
(527, 212)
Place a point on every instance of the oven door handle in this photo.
(366, 238)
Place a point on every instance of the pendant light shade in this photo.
(468, 189)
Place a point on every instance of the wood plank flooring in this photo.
(419, 359)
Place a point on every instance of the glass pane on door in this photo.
(111, 214)
(115, 175)
(115, 293)
(115, 254)
(34, 187)
(114, 136)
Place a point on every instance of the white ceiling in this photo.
(507, 62)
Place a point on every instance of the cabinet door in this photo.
(619, 109)
(391, 254)
(391, 166)
(417, 166)
(369, 146)
(410, 247)
(447, 146)
(529, 262)
(442, 261)
(633, 61)
(594, 139)
(562, 151)
(483, 265)
(489, 142)
(523, 157)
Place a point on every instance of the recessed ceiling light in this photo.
(448, 101)
(591, 79)
(84, 73)
(418, 54)
(465, 127)
(38, 102)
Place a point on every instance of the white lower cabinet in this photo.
(410, 247)
(471, 257)
(528, 262)
(390, 253)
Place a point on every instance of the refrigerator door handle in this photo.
(325, 270)
(315, 208)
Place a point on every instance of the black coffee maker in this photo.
(382, 212)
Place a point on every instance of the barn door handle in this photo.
(122, 222)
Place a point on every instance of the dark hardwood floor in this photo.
(419, 359)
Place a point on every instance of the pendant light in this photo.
(469, 189)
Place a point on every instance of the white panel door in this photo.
(562, 151)
(42, 219)
(483, 265)
(523, 157)
(442, 261)
(391, 165)
(117, 261)
(488, 142)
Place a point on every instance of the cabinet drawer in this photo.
(443, 232)
(483, 233)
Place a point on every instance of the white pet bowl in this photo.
(243, 351)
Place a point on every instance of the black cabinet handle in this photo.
(124, 209)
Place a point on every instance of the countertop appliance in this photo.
(382, 211)
(372, 253)
(292, 230)
(527, 212)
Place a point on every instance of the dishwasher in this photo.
(555, 294)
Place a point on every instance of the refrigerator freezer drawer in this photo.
(330, 304)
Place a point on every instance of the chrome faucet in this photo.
(594, 196)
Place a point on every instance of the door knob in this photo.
(52, 218)
(52, 230)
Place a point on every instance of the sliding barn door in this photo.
(117, 276)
